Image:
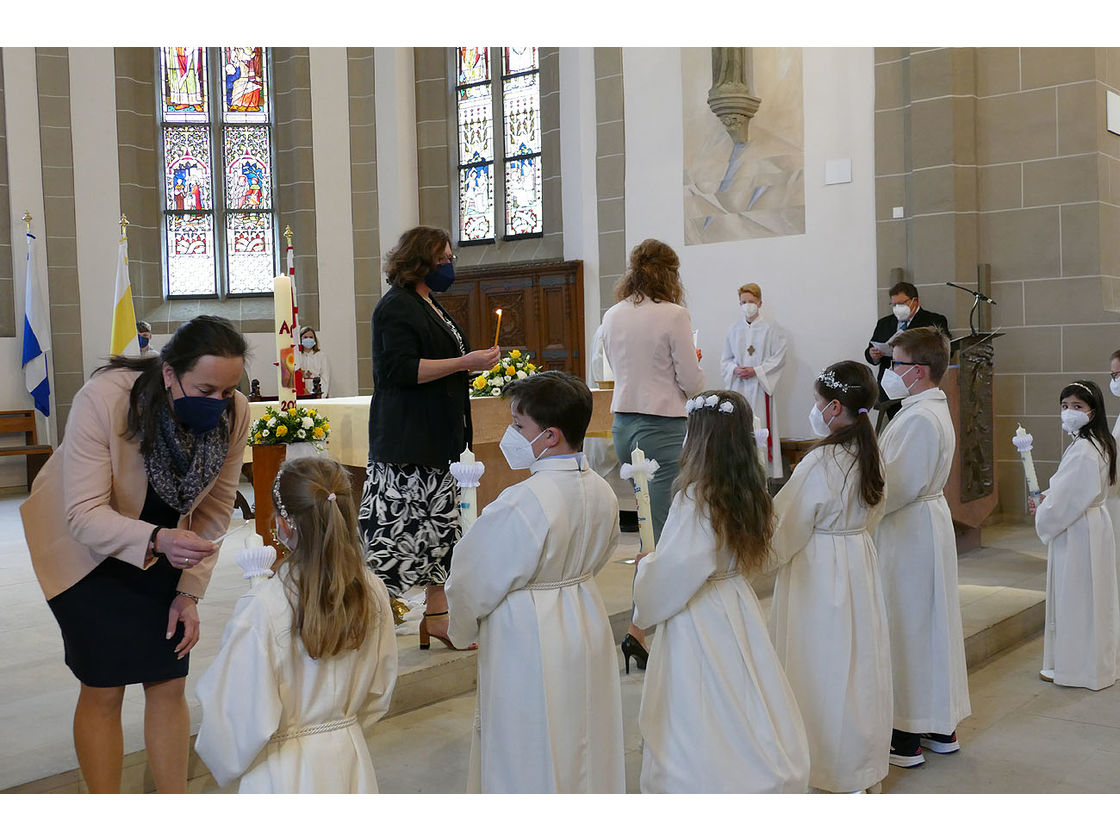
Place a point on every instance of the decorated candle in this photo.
(1024, 443)
(467, 473)
(256, 560)
(284, 319)
(639, 470)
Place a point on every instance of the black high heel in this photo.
(632, 647)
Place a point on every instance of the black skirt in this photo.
(114, 620)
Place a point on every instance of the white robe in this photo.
(1112, 504)
(717, 714)
(769, 343)
(549, 713)
(828, 620)
(1082, 634)
(918, 565)
(282, 721)
(314, 364)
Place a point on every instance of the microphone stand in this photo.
(977, 297)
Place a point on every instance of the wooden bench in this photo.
(23, 422)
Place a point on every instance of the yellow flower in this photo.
(257, 437)
(531, 366)
(515, 354)
(511, 370)
(311, 412)
(479, 382)
(318, 434)
(281, 430)
(292, 412)
(496, 368)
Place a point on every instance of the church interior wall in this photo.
(819, 285)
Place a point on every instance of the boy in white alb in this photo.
(522, 585)
(918, 554)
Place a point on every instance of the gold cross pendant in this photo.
(751, 349)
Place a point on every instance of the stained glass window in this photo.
(217, 171)
(521, 107)
(517, 143)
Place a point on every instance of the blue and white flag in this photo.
(36, 337)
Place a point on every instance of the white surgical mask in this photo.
(518, 451)
(1114, 387)
(307, 343)
(1073, 420)
(817, 422)
(901, 311)
(749, 309)
(893, 385)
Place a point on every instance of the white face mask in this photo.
(893, 385)
(1114, 387)
(307, 343)
(749, 309)
(518, 451)
(1073, 421)
(819, 425)
(901, 311)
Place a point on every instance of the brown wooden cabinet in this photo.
(542, 310)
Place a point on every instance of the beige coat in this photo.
(86, 501)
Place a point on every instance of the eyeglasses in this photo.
(443, 260)
(895, 364)
(1114, 375)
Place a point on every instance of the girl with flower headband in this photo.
(712, 671)
(308, 656)
(828, 618)
(1082, 634)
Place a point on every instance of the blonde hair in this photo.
(326, 579)
(654, 272)
(720, 465)
(752, 289)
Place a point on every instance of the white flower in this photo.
(265, 433)
(271, 422)
(301, 434)
(521, 374)
(495, 392)
(506, 378)
(307, 423)
(497, 381)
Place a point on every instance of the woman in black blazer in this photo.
(419, 422)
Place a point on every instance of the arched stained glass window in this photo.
(219, 217)
(517, 143)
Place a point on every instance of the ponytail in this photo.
(852, 385)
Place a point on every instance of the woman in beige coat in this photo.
(120, 524)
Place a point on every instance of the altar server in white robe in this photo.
(549, 715)
(918, 554)
(1113, 503)
(308, 657)
(828, 618)
(754, 355)
(1082, 635)
(717, 713)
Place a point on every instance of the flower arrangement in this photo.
(296, 425)
(514, 365)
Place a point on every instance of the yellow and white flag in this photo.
(123, 341)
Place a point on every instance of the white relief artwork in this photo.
(735, 190)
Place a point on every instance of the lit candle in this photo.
(498, 331)
(467, 473)
(1024, 443)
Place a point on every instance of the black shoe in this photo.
(906, 749)
(632, 647)
(940, 743)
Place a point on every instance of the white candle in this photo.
(467, 472)
(641, 492)
(761, 438)
(1023, 442)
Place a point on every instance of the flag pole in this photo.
(49, 424)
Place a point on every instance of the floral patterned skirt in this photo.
(409, 518)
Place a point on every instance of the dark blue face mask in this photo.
(199, 414)
(143, 341)
(441, 277)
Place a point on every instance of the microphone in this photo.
(979, 295)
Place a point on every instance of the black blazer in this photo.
(887, 326)
(412, 423)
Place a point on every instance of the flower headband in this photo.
(278, 503)
(828, 379)
(710, 401)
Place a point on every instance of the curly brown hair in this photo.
(654, 272)
(720, 463)
(415, 255)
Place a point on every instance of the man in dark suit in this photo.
(906, 312)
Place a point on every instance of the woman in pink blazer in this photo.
(119, 524)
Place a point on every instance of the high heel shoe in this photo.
(426, 635)
(632, 647)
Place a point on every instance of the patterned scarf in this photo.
(182, 463)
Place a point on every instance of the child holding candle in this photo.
(308, 656)
(549, 705)
(717, 714)
(1082, 634)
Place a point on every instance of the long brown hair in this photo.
(852, 385)
(720, 464)
(654, 272)
(1096, 430)
(326, 578)
(415, 255)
